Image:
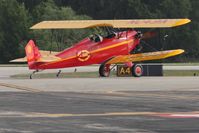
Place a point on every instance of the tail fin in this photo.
(34, 57)
(32, 53)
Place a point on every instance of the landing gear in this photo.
(137, 70)
(104, 70)
(59, 72)
(33, 73)
(36, 71)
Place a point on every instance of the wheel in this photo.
(137, 70)
(104, 70)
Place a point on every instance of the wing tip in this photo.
(182, 22)
(179, 51)
(38, 25)
(34, 27)
(175, 52)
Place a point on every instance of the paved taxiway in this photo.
(141, 105)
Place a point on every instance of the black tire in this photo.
(103, 72)
(137, 70)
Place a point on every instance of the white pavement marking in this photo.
(185, 115)
(194, 114)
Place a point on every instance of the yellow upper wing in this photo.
(134, 23)
(144, 56)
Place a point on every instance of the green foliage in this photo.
(16, 16)
(56, 39)
(14, 23)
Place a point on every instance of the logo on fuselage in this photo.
(83, 55)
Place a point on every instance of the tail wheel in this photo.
(104, 70)
(137, 70)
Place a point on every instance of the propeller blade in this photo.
(149, 34)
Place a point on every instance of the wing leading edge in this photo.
(144, 56)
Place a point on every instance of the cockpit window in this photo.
(96, 38)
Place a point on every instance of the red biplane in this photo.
(114, 48)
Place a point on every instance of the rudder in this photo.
(32, 53)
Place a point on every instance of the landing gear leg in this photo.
(59, 72)
(33, 73)
(113, 68)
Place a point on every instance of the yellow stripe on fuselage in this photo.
(112, 46)
(94, 51)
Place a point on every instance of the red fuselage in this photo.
(87, 51)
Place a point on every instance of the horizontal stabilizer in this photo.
(133, 23)
(46, 56)
(19, 60)
(144, 56)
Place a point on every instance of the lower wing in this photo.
(144, 56)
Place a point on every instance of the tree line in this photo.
(17, 16)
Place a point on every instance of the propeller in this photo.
(149, 34)
(146, 35)
(142, 37)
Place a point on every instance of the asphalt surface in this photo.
(84, 105)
